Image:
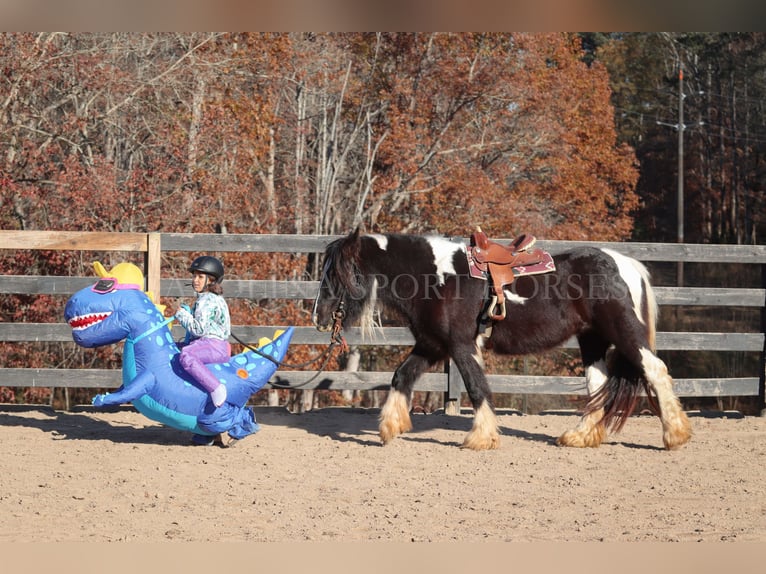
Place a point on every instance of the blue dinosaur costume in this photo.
(116, 308)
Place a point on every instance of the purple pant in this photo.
(200, 352)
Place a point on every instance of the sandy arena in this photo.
(323, 476)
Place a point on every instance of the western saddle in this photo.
(502, 263)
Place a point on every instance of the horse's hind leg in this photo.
(676, 428)
(484, 435)
(590, 430)
(395, 414)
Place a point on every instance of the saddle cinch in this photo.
(501, 264)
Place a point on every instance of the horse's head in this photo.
(344, 291)
(110, 310)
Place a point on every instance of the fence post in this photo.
(455, 387)
(762, 368)
(152, 264)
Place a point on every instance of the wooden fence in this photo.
(152, 245)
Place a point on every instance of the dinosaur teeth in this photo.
(85, 321)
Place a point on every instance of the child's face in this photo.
(199, 282)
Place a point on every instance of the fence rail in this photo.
(152, 245)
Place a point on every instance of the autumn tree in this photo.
(440, 132)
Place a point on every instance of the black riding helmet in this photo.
(208, 265)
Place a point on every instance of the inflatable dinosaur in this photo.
(115, 309)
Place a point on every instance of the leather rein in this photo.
(336, 340)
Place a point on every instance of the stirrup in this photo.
(491, 309)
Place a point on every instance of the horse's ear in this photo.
(350, 250)
(351, 245)
(344, 257)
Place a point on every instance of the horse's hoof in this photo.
(394, 417)
(678, 435)
(580, 439)
(386, 436)
(388, 431)
(474, 442)
(485, 433)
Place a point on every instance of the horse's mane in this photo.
(343, 261)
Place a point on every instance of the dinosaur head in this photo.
(108, 311)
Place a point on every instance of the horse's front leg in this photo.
(395, 414)
(484, 434)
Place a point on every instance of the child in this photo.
(208, 327)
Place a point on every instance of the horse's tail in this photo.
(620, 394)
(651, 309)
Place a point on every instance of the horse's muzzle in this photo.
(322, 328)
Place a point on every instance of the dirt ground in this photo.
(323, 476)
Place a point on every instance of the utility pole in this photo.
(680, 127)
(680, 198)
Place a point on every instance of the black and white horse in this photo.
(599, 296)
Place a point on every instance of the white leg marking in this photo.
(590, 431)
(394, 417)
(676, 429)
(485, 434)
(595, 376)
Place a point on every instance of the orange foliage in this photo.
(299, 133)
(513, 132)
